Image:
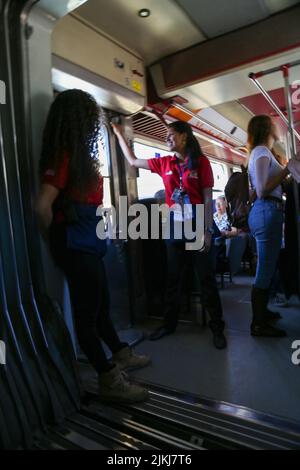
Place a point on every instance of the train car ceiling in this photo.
(116, 76)
(173, 25)
(220, 80)
(231, 15)
(167, 29)
(273, 38)
(182, 37)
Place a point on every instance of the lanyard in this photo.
(180, 176)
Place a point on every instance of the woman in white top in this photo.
(265, 218)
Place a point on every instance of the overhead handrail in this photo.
(285, 70)
(207, 123)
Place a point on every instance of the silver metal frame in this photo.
(208, 124)
(292, 133)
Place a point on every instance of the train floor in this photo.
(255, 373)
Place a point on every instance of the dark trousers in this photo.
(89, 293)
(202, 263)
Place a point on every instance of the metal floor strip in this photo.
(211, 423)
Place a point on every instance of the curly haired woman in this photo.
(71, 190)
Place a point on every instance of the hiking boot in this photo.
(161, 332)
(113, 387)
(126, 358)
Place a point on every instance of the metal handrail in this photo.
(207, 123)
(254, 79)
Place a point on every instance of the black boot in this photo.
(260, 326)
(217, 329)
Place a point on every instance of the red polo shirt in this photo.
(59, 179)
(193, 181)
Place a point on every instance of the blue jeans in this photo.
(265, 222)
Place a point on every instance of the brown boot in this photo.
(114, 387)
(126, 358)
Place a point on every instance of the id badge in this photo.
(178, 197)
(187, 208)
(184, 210)
(178, 213)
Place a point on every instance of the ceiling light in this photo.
(144, 12)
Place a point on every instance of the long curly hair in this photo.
(73, 128)
(193, 149)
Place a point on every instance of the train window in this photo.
(104, 154)
(220, 178)
(148, 183)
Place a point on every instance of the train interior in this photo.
(149, 66)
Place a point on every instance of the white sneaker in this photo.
(279, 300)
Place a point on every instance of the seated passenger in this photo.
(235, 240)
(160, 196)
(222, 219)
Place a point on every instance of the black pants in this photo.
(89, 293)
(202, 262)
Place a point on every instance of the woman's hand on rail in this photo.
(117, 128)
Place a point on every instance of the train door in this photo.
(116, 259)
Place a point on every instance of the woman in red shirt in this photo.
(71, 191)
(189, 172)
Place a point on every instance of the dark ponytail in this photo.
(193, 148)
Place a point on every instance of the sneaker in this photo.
(113, 387)
(126, 358)
(279, 300)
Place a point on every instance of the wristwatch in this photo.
(210, 230)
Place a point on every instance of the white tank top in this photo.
(274, 167)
